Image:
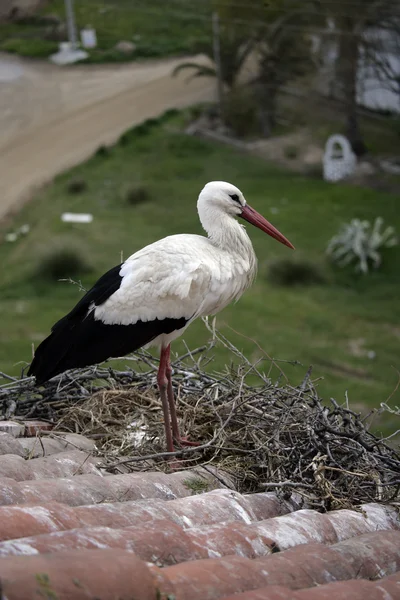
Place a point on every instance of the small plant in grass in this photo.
(137, 195)
(76, 186)
(125, 138)
(197, 485)
(291, 152)
(287, 272)
(168, 114)
(196, 111)
(145, 127)
(62, 262)
(103, 151)
(360, 242)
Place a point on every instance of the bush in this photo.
(288, 272)
(170, 113)
(103, 151)
(76, 186)
(291, 152)
(61, 263)
(125, 138)
(29, 47)
(137, 195)
(196, 111)
(361, 242)
(145, 127)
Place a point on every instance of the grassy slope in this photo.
(312, 325)
(155, 30)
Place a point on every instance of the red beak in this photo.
(252, 216)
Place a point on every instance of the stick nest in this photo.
(267, 436)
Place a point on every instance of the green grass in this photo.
(155, 30)
(313, 324)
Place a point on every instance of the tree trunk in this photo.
(267, 109)
(348, 65)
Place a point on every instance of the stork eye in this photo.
(234, 197)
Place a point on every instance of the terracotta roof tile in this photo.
(387, 588)
(33, 427)
(372, 555)
(170, 542)
(89, 489)
(64, 464)
(193, 511)
(162, 541)
(78, 573)
(12, 428)
(29, 428)
(145, 535)
(35, 448)
(10, 445)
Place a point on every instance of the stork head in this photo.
(221, 197)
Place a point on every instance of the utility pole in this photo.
(69, 9)
(217, 61)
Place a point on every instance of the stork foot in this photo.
(175, 464)
(183, 441)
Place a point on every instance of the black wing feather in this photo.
(78, 340)
(98, 294)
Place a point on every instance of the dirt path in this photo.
(52, 118)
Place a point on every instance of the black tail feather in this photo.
(78, 343)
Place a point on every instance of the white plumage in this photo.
(158, 291)
(187, 275)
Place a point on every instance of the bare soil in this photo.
(52, 118)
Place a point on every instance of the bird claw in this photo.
(183, 441)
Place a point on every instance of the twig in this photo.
(292, 484)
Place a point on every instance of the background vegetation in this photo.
(154, 30)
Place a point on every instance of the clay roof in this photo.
(70, 530)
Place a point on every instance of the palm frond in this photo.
(199, 70)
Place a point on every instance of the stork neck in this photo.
(226, 233)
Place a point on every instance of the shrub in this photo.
(289, 272)
(359, 242)
(103, 151)
(29, 47)
(137, 194)
(195, 112)
(145, 127)
(76, 186)
(62, 262)
(291, 152)
(170, 113)
(125, 138)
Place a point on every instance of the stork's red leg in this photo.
(182, 441)
(170, 394)
(163, 384)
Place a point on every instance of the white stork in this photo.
(157, 292)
